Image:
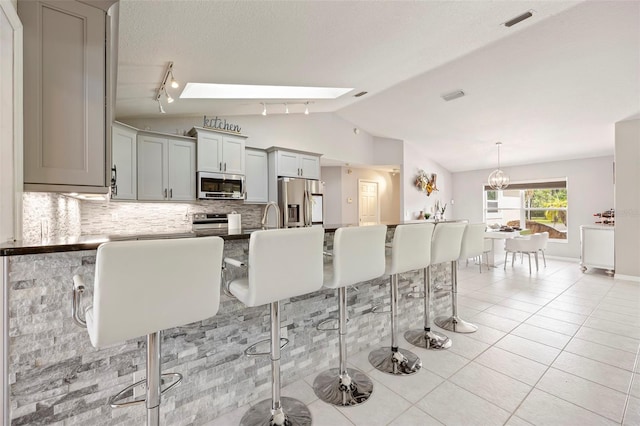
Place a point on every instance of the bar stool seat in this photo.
(283, 263)
(407, 254)
(358, 255)
(144, 287)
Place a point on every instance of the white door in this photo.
(233, 155)
(256, 178)
(310, 166)
(368, 208)
(288, 164)
(209, 152)
(152, 168)
(123, 163)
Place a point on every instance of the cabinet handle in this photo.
(225, 167)
(171, 193)
(114, 180)
(165, 193)
(220, 168)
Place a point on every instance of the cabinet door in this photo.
(182, 171)
(153, 163)
(233, 159)
(124, 163)
(209, 152)
(288, 164)
(64, 93)
(310, 166)
(256, 177)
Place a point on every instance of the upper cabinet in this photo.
(166, 168)
(123, 162)
(256, 178)
(219, 152)
(295, 163)
(65, 95)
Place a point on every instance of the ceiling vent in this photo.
(452, 95)
(518, 19)
(357, 95)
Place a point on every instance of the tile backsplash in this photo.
(51, 215)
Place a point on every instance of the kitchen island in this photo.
(55, 375)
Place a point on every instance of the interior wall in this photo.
(7, 186)
(417, 157)
(388, 194)
(331, 176)
(627, 199)
(322, 133)
(589, 184)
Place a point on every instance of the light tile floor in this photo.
(557, 347)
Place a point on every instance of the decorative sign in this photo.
(220, 124)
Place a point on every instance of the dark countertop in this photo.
(91, 242)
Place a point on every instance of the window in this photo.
(536, 206)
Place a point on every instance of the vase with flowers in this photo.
(438, 211)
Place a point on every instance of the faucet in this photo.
(266, 212)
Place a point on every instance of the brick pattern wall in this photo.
(57, 377)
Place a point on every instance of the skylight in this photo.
(244, 91)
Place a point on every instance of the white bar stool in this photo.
(407, 254)
(445, 247)
(283, 263)
(358, 255)
(144, 287)
(473, 242)
(427, 338)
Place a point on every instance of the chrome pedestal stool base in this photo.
(427, 339)
(400, 362)
(456, 324)
(354, 388)
(291, 413)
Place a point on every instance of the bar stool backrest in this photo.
(446, 242)
(411, 248)
(358, 255)
(284, 263)
(472, 240)
(142, 287)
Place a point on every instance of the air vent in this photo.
(518, 19)
(452, 95)
(357, 95)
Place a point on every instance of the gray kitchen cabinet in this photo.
(290, 163)
(124, 185)
(219, 152)
(65, 87)
(166, 168)
(256, 177)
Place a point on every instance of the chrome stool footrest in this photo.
(427, 339)
(352, 388)
(291, 413)
(248, 350)
(119, 395)
(399, 362)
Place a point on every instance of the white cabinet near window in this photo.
(166, 168)
(219, 152)
(290, 163)
(256, 177)
(124, 185)
(597, 247)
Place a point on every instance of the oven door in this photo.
(216, 186)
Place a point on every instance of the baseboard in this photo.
(627, 278)
(566, 259)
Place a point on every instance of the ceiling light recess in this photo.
(245, 91)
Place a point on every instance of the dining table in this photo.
(495, 236)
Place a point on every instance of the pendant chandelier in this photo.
(498, 179)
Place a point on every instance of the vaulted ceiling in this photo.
(550, 87)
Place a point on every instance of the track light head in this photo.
(160, 108)
(169, 98)
(286, 109)
(306, 108)
(264, 109)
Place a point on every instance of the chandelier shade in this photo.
(498, 179)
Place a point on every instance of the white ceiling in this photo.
(549, 88)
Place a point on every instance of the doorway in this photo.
(368, 203)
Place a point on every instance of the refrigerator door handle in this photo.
(307, 208)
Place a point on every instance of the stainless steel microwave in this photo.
(220, 186)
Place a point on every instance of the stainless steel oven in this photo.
(220, 186)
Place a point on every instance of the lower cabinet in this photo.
(597, 247)
(166, 169)
(256, 177)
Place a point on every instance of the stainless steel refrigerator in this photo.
(300, 202)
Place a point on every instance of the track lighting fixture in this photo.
(286, 106)
(264, 109)
(162, 90)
